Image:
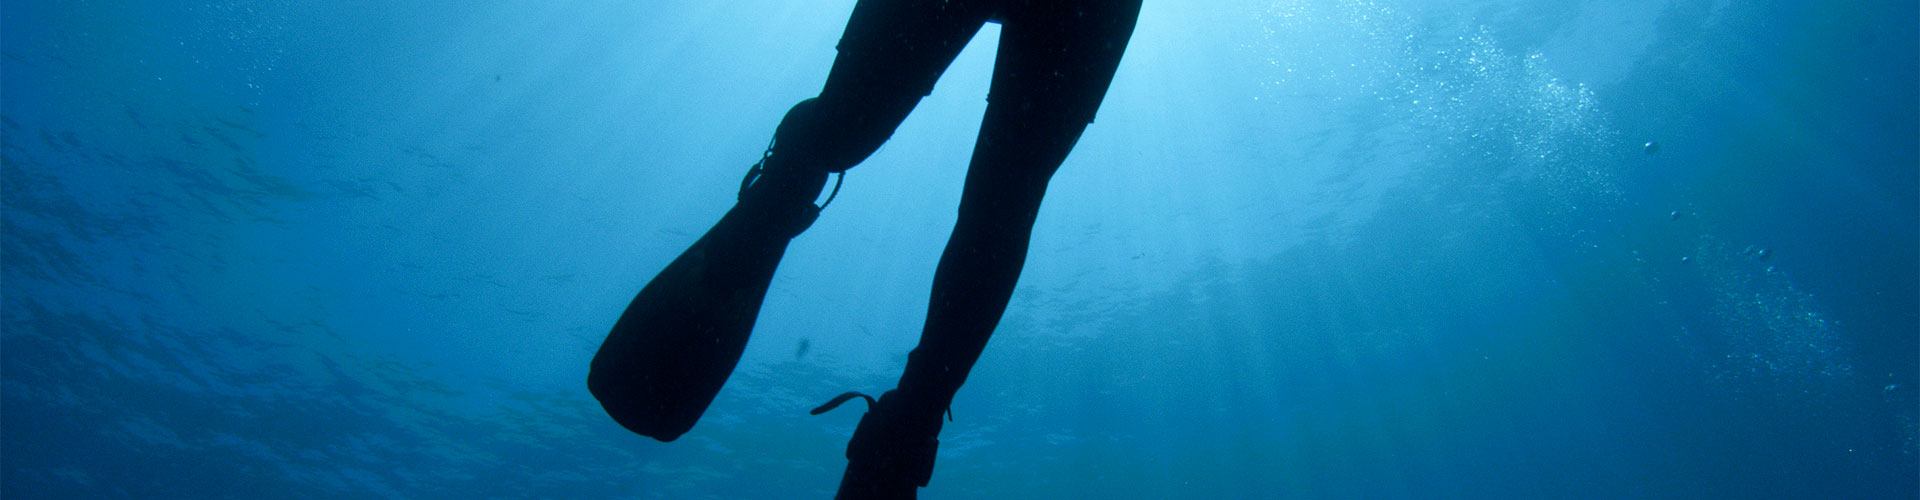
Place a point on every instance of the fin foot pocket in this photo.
(892, 451)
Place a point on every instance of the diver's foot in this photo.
(891, 453)
(782, 201)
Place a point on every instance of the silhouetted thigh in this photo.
(1056, 60)
(892, 53)
(1057, 57)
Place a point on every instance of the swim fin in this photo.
(682, 336)
(891, 453)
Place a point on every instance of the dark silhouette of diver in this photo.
(681, 337)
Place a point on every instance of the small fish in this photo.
(802, 351)
(134, 116)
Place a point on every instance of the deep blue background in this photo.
(1312, 248)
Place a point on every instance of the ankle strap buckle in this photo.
(759, 169)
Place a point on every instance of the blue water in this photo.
(1312, 248)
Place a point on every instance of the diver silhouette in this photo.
(680, 338)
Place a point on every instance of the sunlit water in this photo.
(1312, 248)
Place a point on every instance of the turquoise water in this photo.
(1312, 248)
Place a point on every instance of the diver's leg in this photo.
(892, 53)
(890, 56)
(1056, 60)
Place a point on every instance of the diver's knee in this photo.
(830, 135)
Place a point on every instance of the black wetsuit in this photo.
(1056, 59)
